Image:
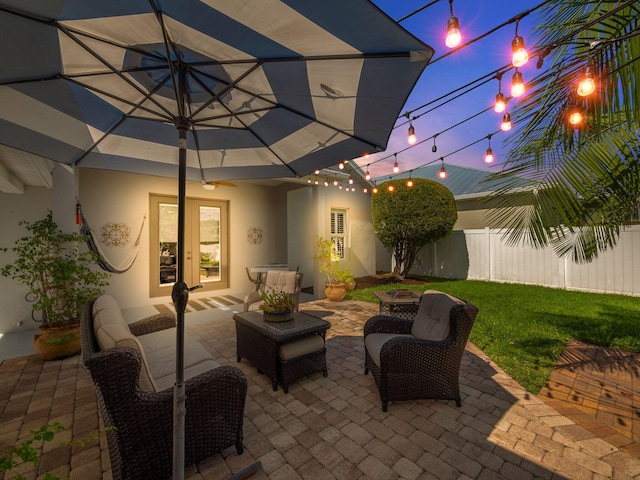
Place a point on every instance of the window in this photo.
(206, 245)
(339, 231)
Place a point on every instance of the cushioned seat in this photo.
(421, 358)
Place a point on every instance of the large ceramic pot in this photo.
(335, 291)
(57, 342)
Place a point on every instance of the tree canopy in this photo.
(587, 177)
(408, 218)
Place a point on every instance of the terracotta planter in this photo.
(335, 291)
(57, 342)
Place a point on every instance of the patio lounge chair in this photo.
(419, 359)
(275, 280)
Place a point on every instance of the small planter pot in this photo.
(278, 316)
(335, 292)
(57, 342)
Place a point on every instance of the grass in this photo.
(524, 328)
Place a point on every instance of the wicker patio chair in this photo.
(275, 280)
(419, 359)
(141, 444)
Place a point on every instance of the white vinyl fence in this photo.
(483, 255)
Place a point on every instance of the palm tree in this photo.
(587, 179)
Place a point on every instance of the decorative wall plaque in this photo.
(115, 234)
(254, 235)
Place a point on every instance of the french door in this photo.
(206, 243)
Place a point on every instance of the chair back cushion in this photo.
(280, 281)
(111, 330)
(432, 321)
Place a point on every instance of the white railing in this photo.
(483, 255)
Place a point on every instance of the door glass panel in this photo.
(168, 236)
(209, 244)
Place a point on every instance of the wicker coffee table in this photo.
(259, 342)
(399, 303)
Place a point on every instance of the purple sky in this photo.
(481, 58)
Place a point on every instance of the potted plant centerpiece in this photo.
(337, 278)
(277, 306)
(59, 279)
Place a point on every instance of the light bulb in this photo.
(506, 123)
(587, 86)
(501, 103)
(326, 184)
(517, 87)
(391, 188)
(365, 190)
(453, 33)
(396, 168)
(367, 176)
(409, 183)
(353, 189)
(489, 156)
(375, 190)
(350, 181)
(309, 180)
(341, 166)
(317, 171)
(412, 135)
(575, 116)
(335, 183)
(442, 173)
(520, 55)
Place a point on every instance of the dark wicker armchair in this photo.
(420, 358)
(141, 444)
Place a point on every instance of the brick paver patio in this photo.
(333, 427)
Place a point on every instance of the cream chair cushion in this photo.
(280, 281)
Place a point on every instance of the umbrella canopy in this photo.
(271, 88)
(254, 89)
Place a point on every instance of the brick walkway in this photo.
(594, 387)
(333, 427)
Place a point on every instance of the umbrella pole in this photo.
(180, 296)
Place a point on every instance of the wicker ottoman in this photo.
(301, 358)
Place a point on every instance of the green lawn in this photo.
(524, 328)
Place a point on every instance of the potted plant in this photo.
(277, 306)
(337, 277)
(59, 279)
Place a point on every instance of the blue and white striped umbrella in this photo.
(203, 90)
(271, 88)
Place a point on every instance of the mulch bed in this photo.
(387, 279)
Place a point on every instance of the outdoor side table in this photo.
(259, 342)
(398, 303)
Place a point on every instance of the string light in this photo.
(396, 168)
(434, 149)
(410, 181)
(501, 103)
(326, 183)
(391, 187)
(317, 172)
(505, 126)
(367, 175)
(411, 139)
(453, 29)
(365, 190)
(350, 180)
(575, 116)
(517, 85)
(520, 56)
(309, 179)
(586, 86)
(374, 189)
(488, 158)
(335, 181)
(443, 173)
(341, 166)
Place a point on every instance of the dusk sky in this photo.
(452, 72)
